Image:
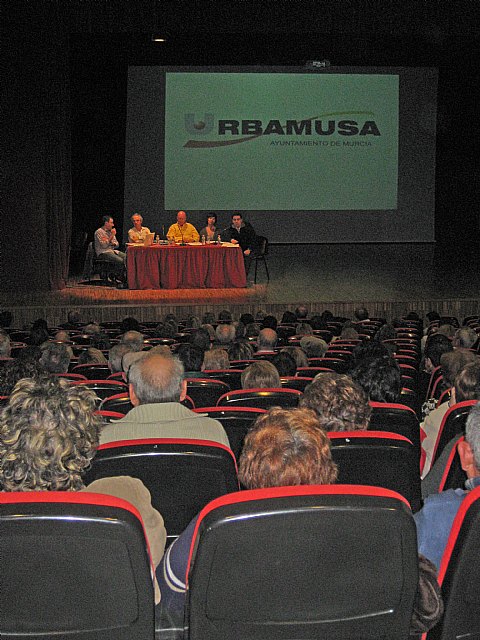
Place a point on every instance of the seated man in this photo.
(182, 231)
(242, 233)
(435, 520)
(282, 448)
(137, 233)
(106, 246)
(156, 389)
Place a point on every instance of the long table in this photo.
(193, 266)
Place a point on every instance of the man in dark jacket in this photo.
(242, 233)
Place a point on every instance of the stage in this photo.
(389, 279)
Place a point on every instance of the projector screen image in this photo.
(281, 141)
(337, 155)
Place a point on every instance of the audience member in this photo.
(297, 354)
(215, 359)
(92, 356)
(240, 351)
(337, 397)
(48, 437)
(246, 318)
(115, 356)
(38, 333)
(15, 370)
(361, 314)
(284, 364)
(225, 316)
(464, 338)
(209, 318)
(224, 334)
(283, 448)
(129, 324)
(434, 521)
(380, 379)
(270, 322)
(55, 357)
(260, 375)
(5, 345)
(289, 317)
(156, 390)
(92, 328)
(266, 341)
(314, 347)
(303, 329)
(192, 358)
(202, 338)
(133, 339)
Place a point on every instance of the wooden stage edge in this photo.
(105, 304)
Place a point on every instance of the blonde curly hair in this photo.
(48, 436)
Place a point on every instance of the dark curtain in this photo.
(36, 183)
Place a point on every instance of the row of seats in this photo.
(244, 578)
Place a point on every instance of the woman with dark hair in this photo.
(210, 231)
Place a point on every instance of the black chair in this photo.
(93, 371)
(102, 388)
(396, 418)
(182, 475)
(378, 458)
(452, 424)
(77, 568)
(295, 382)
(109, 416)
(236, 421)
(121, 403)
(205, 391)
(310, 562)
(459, 575)
(260, 398)
(94, 265)
(232, 377)
(260, 255)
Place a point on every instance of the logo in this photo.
(239, 131)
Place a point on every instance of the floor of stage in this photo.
(388, 278)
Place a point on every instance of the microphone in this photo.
(183, 243)
(163, 232)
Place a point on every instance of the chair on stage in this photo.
(260, 255)
(77, 567)
(311, 562)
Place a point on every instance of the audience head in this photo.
(129, 324)
(465, 338)
(240, 351)
(133, 339)
(267, 339)
(225, 316)
(48, 436)
(252, 330)
(437, 344)
(92, 356)
(337, 397)
(55, 357)
(467, 382)
(193, 322)
(246, 318)
(297, 354)
(38, 333)
(73, 317)
(301, 312)
(348, 333)
(453, 362)
(386, 332)
(317, 322)
(289, 317)
(270, 322)
(361, 314)
(285, 448)
(92, 328)
(15, 370)
(225, 334)
(190, 356)
(202, 338)
(156, 378)
(208, 318)
(470, 450)
(369, 349)
(446, 330)
(215, 359)
(284, 364)
(115, 356)
(165, 330)
(260, 375)
(380, 379)
(5, 345)
(314, 347)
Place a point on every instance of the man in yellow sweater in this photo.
(182, 231)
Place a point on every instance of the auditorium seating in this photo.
(454, 477)
(396, 418)
(260, 398)
(378, 458)
(93, 371)
(459, 575)
(77, 567)
(311, 562)
(182, 475)
(205, 391)
(453, 422)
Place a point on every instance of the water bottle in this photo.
(157, 239)
(219, 240)
(203, 239)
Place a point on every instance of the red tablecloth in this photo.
(189, 267)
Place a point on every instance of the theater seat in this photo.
(454, 477)
(182, 475)
(453, 423)
(74, 566)
(309, 562)
(260, 398)
(378, 458)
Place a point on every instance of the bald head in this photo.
(156, 378)
(267, 339)
(181, 218)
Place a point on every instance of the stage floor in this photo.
(388, 278)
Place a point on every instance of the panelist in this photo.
(210, 232)
(242, 233)
(137, 233)
(182, 231)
